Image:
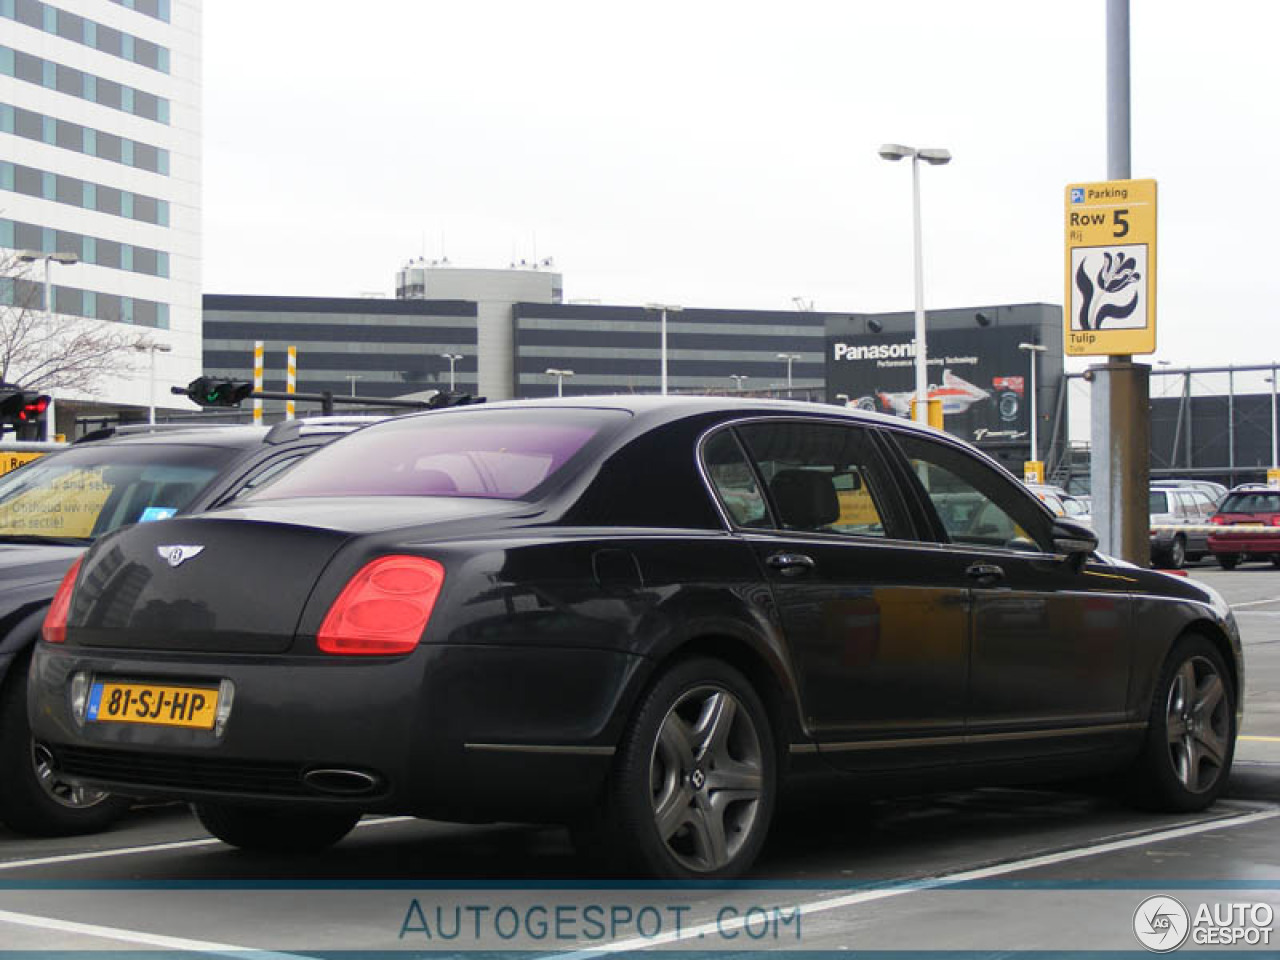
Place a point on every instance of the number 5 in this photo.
(1119, 222)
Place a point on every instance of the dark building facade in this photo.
(619, 350)
(372, 347)
(976, 368)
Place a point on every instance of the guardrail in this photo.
(1226, 530)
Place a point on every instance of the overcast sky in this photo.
(724, 153)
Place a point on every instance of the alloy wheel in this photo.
(69, 795)
(706, 778)
(1198, 722)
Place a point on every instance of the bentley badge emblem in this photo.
(179, 553)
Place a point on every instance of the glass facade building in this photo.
(100, 163)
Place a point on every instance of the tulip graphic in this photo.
(1100, 294)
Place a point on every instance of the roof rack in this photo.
(288, 430)
(137, 429)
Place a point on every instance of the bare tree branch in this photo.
(43, 352)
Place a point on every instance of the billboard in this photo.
(980, 375)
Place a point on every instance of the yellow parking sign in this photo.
(1110, 303)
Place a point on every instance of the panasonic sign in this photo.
(877, 351)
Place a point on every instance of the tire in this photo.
(1275, 560)
(33, 798)
(1177, 553)
(274, 830)
(1191, 732)
(694, 782)
(1227, 561)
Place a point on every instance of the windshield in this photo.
(83, 493)
(495, 454)
(1260, 502)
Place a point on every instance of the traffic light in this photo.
(24, 411)
(214, 392)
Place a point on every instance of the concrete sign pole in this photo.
(1120, 414)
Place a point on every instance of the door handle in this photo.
(985, 573)
(790, 564)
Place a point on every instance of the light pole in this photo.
(31, 256)
(664, 309)
(352, 378)
(1033, 349)
(1275, 453)
(790, 358)
(151, 348)
(452, 358)
(559, 375)
(936, 156)
(737, 379)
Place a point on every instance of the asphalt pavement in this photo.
(989, 871)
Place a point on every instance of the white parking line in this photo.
(138, 937)
(1254, 603)
(718, 927)
(150, 848)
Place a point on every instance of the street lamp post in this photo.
(737, 379)
(31, 256)
(559, 375)
(663, 309)
(352, 378)
(152, 347)
(790, 358)
(936, 156)
(452, 358)
(1275, 452)
(1033, 349)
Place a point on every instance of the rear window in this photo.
(1251, 502)
(495, 454)
(1159, 502)
(83, 493)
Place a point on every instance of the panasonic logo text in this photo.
(878, 351)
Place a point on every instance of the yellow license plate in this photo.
(153, 703)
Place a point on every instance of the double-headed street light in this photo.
(790, 358)
(1033, 349)
(936, 156)
(560, 377)
(663, 309)
(452, 358)
(152, 348)
(737, 379)
(33, 256)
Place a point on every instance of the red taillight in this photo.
(1275, 520)
(55, 621)
(383, 609)
(1218, 521)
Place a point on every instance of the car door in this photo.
(877, 635)
(1051, 639)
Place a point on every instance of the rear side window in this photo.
(494, 454)
(823, 478)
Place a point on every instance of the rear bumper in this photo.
(450, 732)
(1242, 543)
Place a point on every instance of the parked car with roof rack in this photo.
(1179, 519)
(52, 509)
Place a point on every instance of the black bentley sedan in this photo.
(638, 616)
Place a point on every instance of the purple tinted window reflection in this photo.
(500, 454)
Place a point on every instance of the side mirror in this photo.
(1074, 540)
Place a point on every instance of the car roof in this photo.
(241, 436)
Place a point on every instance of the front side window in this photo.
(493, 454)
(822, 478)
(976, 504)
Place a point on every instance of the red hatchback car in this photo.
(1256, 506)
